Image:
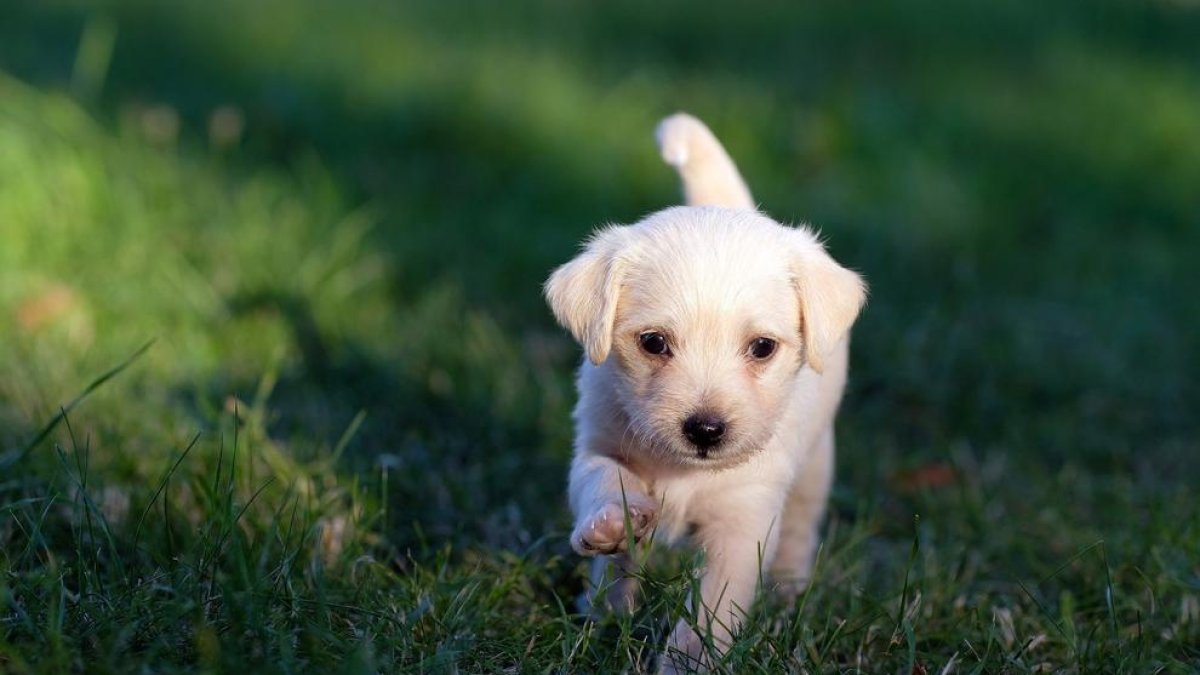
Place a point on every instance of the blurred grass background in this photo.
(333, 220)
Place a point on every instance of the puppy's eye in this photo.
(654, 343)
(762, 348)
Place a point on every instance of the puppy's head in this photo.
(706, 316)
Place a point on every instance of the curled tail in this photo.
(710, 178)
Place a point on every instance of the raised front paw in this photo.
(603, 531)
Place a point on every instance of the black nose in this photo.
(704, 431)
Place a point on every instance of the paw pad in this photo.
(603, 532)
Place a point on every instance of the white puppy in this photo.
(716, 344)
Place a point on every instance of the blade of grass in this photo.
(162, 484)
(54, 422)
(348, 435)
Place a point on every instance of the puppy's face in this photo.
(706, 315)
(706, 340)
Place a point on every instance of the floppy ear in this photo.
(830, 299)
(583, 293)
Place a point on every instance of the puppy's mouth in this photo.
(682, 453)
(715, 458)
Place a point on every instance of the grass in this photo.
(345, 447)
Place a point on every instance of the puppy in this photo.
(716, 353)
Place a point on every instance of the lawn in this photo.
(278, 391)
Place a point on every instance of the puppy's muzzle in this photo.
(704, 431)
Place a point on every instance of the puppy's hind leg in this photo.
(802, 515)
(612, 588)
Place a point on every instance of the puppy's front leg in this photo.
(735, 551)
(601, 492)
(612, 588)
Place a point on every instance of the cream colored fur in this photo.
(712, 277)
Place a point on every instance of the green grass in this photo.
(345, 447)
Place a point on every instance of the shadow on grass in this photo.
(457, 469)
